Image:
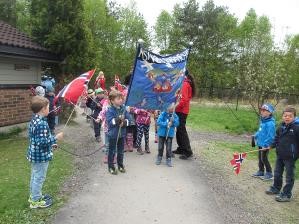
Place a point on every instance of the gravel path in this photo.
(190, 192)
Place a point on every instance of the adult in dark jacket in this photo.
(182, 110)
(287, 150)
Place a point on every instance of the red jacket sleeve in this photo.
(185, 97)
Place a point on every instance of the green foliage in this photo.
(163, 29)
(8, 11)
(15, 178)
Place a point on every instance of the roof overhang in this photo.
(25, 53)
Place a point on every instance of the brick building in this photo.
(20, 68)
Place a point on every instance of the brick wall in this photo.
(14, 106)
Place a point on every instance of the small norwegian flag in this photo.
(75, 89)
(237, 161)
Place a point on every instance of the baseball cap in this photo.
(268, 107)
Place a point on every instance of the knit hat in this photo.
(40, 91)
(268, 107)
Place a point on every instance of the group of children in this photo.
(286, 141)
(124, 128)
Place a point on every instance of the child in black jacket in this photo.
(287, 149)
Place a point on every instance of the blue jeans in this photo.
(38, 176)
(113, 150)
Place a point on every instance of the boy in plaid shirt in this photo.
(41, 144)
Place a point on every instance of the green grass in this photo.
(221, 119)
(14, 182)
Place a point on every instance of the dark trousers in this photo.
(97, 128)
(113, 148)
(182, 137)
(162, 141)
(289, 165)
(51, 121)
(142, 129)
(263, 161)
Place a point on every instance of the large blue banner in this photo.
(157, 80)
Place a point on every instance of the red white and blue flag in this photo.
(237, 161)
(76, 88)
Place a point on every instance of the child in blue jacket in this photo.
(167, 122)
(264, 138)
(117, 119)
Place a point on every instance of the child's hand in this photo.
(97, 120)
(59, 136)
(54, 146)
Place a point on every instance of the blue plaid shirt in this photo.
(40, 140)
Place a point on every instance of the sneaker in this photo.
(41, 203)
(258, 174)
(156, 138)
(139, 151)
(98, 139)
(272, 190)
(112, 170)
(168, 162)
(267, 176)
(283, 198)
(130, 148)
(44, 196)
(147, 150)
(159, 159)
(121, 169)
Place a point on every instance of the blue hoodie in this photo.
(265, 135)
(162, 122)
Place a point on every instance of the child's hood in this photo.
(296, 121)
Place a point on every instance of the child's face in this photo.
(171, 110)
(118, 101)
(265, 113)
(288, 117)
(45, 111)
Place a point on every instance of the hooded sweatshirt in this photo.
(266, 133)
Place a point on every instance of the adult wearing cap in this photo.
(182, 110)
(96, 107)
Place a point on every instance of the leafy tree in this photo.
(260, 72)
(8, 11)
(163, 29)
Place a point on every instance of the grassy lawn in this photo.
(221, 119)
(14, 182)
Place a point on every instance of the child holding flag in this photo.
(167, 122)
(264, 138)
(117, 120)
(40, 151)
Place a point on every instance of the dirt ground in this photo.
(201, 190)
